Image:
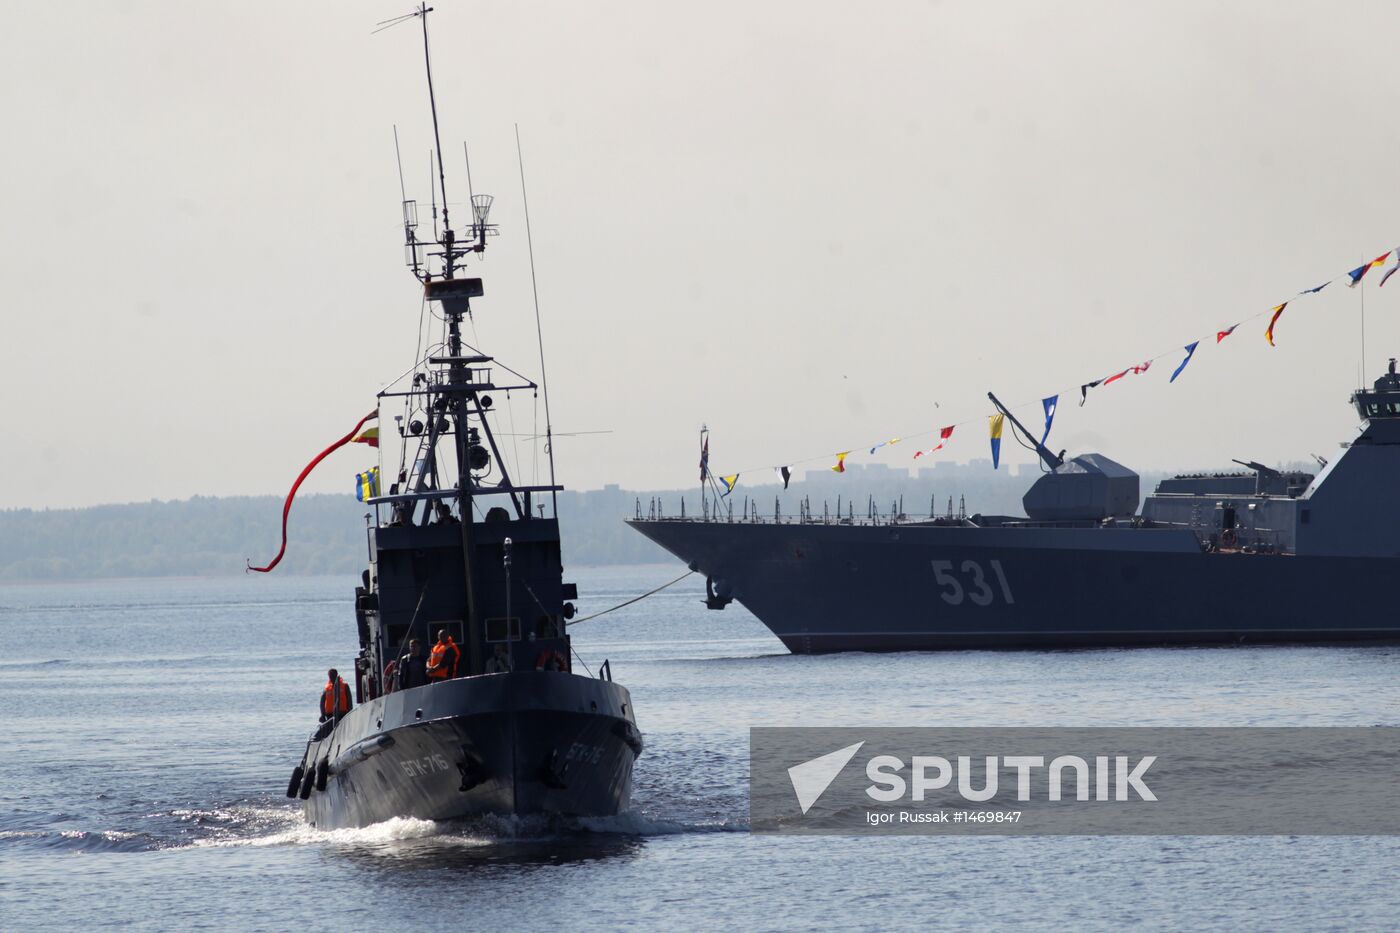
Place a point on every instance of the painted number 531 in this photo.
(970, 583)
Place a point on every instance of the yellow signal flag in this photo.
(995, 423)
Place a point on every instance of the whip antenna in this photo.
(539, 333)
(422, 13)
(410, 214)
(398, 157)
(466, 157)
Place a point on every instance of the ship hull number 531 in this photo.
(968, 581)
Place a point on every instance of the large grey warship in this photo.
(456, 545)
(1255, 556)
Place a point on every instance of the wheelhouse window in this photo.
(497, 630)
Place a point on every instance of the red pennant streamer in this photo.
(287, 506)
(943, 436)
(1269, 334)
(1137, 370)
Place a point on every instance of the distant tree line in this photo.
(209, 536)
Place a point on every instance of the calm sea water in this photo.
(150, 727)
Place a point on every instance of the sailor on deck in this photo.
(335, 698)
(411, 670)
(442, 664)
(499, 662)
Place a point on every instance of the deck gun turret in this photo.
(1086, 488)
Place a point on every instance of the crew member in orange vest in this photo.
(442, 663)
(335, 698)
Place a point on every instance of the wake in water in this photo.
(80, 840)
(131, 829)
(664, 808)
(287, 827)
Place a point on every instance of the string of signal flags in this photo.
(1049, 404)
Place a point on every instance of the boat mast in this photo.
(447, 236)
(458, 380)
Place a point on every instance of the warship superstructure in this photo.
(456, 544)
(1258, 555)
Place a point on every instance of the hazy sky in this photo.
(803, 223)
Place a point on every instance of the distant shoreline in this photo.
(207, 537)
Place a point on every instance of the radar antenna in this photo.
(445, 237)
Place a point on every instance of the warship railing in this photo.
(749, 513)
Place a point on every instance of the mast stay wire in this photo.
(572, 649)
(510, 411)
(635, 599)
(494, 360)
(474, 347)
(398, 157)
(408, 399)
(535, 444)
(539, 332)
(471, 194)
(514, 440)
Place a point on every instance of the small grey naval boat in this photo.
(455, 544)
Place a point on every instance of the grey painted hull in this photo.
(836, 587)
(508, 744)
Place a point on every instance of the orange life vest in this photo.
(333, 701)
(440, 667)
(437, 663)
